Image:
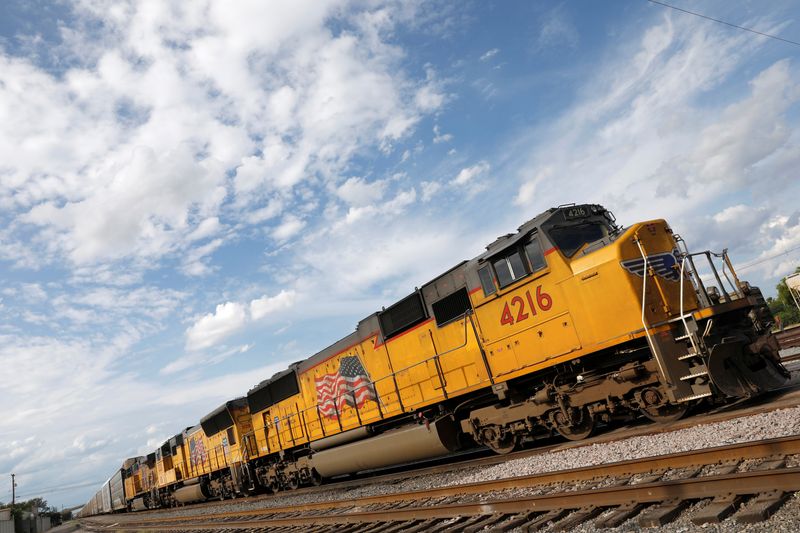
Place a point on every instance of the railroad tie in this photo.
(423, 526)
(513, 522)
(399, 526)
(718, 510)
(482, 523)
(619, 515)
(576, 518)
(763, 506)
(662, 513)
(447, 524)
(542, 519)
(771, 463)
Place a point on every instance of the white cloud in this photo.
(636, 138)
(429, 189)
(489, 54)
(439, 137)
(195, 360)
(204, 229)
(470, 174)
(288, 228)
(128, 155)
(261, 307)
(229, 318)
(357, 191)
(557, 29)
(194, 263)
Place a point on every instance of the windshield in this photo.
(570, 239)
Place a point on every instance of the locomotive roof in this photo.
(274, 377)
(236, 402)
(509, 238)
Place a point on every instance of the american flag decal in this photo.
(338, 389)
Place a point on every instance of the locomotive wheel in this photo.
(582, 426)
(498, 441)
(657, 411)
(665, 413)
(504, 447)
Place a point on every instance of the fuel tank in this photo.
(191, 493)
(402, 445)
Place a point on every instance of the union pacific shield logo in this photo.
(664, 264)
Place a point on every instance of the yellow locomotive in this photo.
(570, 321)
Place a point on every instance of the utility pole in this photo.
(13, 489)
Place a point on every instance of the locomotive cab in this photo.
(583, 228)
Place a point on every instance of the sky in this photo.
(195, 194)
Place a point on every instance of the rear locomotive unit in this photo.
(569, 322)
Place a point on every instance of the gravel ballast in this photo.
(770, 424)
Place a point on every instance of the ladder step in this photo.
(697, 374)
(688, 356)
(682, 337)
(695, 397)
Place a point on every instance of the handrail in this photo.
(645, 273)
(683, 314)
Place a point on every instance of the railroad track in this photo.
(749, 480)
(789, 338)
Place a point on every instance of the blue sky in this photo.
(193, 195)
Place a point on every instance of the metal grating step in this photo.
(694, 397)
(697, 374)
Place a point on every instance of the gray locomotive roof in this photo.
(267, 381)
(525, 229)
(236, 402)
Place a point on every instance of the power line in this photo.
(765, 259)
(723, 22)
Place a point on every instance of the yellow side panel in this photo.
(165, 473)
(528, 322)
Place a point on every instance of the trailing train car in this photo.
(214, 462)
(141, 482)
(111, 497)
(569, 322)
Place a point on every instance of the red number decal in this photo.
(506, 318)
(543, 301)
(521, 315)
(541, 298)
(530, 302)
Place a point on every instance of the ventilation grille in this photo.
(451, 307)
(401, 316)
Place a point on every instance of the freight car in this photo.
(570, 321)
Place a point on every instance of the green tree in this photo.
(783, 306)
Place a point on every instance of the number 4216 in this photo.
(543, 301)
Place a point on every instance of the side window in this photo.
(231, 436)
(535, 256)
(487, 280)
(509, 268)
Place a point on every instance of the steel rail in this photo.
(743, 483)
(789, 338)
(695, 458)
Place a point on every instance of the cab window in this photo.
(509, 268)
(570, 239)
(533, 251)
(487, 280)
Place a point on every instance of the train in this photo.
(569, 323)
